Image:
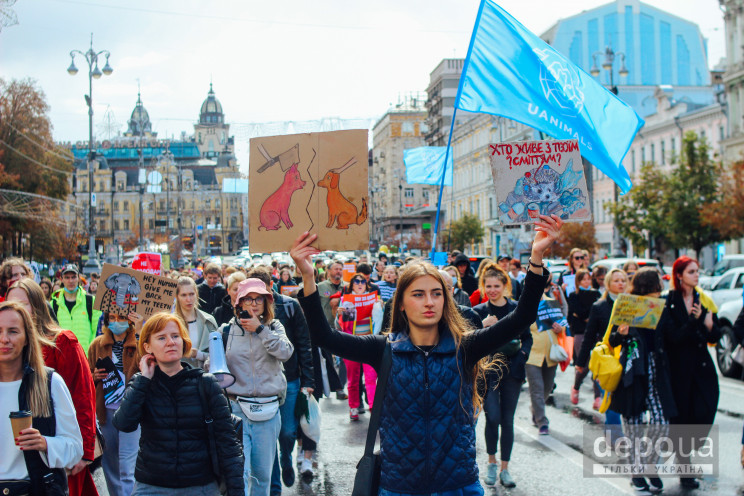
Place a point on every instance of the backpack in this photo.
(88, 307)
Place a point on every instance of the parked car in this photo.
(725, 264)
(617, 263)
(727, 314)
(729, 287)
(475, 262)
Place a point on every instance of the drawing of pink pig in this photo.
(276, 206)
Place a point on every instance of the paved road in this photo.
(540, 464)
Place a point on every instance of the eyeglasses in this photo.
(358, 281)
(582, 257)
(257, 300)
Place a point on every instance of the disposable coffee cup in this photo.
(19, 421)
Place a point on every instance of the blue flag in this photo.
(511, 72)
(424, 165)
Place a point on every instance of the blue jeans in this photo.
(119, 457)
(474, 489)
(287, 435)
(259, 446)
(142, 489)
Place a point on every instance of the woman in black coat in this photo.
(166, 399)
(643, 397)
(579, 306)
(693, 374)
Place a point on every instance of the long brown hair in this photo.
(42, 318)
(494, 270)
(38, 389)
(452, 321)
(186, 281)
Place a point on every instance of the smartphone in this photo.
(245, 314)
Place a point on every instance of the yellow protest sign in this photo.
(637, 311)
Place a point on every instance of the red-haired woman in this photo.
(693, 374)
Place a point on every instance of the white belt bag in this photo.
(259, 409)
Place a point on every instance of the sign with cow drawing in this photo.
(123, 290)
(313, 182)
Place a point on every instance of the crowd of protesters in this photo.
(134, 396)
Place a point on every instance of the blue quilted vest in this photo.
(427, 429)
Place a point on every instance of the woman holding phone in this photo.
(435, 386)
(112, 358)
(255, 347)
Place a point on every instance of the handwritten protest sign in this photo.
(539, 177)
(123, 290)
(355, 312)
(148, 262)
(548, 313)
(314, 182)
(348, 271)
(637, 311)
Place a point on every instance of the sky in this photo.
(268, 61)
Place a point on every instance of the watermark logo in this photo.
(560, 83)
(650, 450)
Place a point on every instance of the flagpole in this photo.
(452, 128)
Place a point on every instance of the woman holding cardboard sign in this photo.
(437, 370)
(112, 358)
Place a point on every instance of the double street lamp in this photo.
(91, 56)
(608, 64)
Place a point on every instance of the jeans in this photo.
(370, 380)
(142, 489)
(499, 407)
(474, 489)
(119, 457)
(287, 435)
(580, 376)
(540, 380)
(259, 446)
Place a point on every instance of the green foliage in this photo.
(668, 207)
(466, 230)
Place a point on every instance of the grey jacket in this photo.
(206, 324)
(256, 360)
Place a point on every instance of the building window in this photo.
(151, 223)
(632, 160)
(233, 222)
(409, 193)
(663, 153)
(126, 205)
(490, 208)
(643, 155)
(408, 127)
(102, 225)
(721, 133)
(126, 224)
(653, 153)
(702, 134)
(209, 220)
(207, 205)
(116, 206)
(116, 225)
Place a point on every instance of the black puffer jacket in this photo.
(468, 281)
(174, 446)
(300, 365)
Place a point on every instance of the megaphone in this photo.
(218, 361)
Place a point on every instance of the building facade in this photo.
(151, 191)
(733, 78)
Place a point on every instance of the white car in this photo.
(729, 287)
(725, 264)
(727, 314)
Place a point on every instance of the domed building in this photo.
(139, 122)
(211, 133)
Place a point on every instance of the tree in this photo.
(30, 162)
(727, 214)
(575, 235)
(643, 214)
(693, 186)
(466, 230)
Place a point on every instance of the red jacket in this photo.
(68, 359)
(477, 299)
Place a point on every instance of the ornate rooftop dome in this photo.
(211, 110)
(139, 122)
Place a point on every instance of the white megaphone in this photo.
(218, 362)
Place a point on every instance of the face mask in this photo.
(71, 292)
(118, 328)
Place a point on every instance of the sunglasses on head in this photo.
(358, 281)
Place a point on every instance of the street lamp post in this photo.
(400, 198)
(609, 65)
(91, 56)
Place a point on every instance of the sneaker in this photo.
(597, 403)
(362, 409)
(656, 485)
(288, 475)
(689, 483)
(544, 431)
(354, 413)
(493, 471)
(506, 479)
(307, 467)
(640, 486)
(340, 395)
(574, 396)
(300, 454)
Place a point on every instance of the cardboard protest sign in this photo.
(637, 311)
(289, 290)
(313, 182)
(348, 271)
(570, 282)
(539, 177)
(148, 262)
(123, 290)
(548, 313)
(355, 312)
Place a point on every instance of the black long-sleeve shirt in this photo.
(475, 345)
